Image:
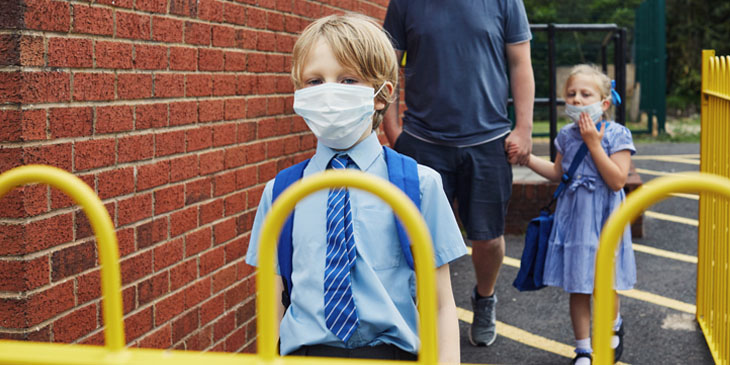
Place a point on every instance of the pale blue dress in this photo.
(581, 212)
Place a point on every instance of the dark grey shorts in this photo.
(479, 178)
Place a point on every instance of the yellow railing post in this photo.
(635, 204)
(404, 209)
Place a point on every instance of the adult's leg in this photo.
(487, 257)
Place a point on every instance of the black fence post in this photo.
(620, 73)
(552, 93)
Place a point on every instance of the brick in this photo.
(211, 211)
(236, 249)
(246, 312)
(183, 59)
(24, 275)
(116, 182)
(11, 85)
(224, 36)
(153, 174)
(134, 86)
(183, 221)
(211, 10)
(93, 20)
(35, 335)
(224, 231)
(41, 87)
(224, 84)
(152, 6)
(94, 153)
(12, 16)
(135, 148)
(32, 51)
(73, 260)
(187, 8)
(197, 241)
(234, 61)
(183, 168)
(134, 26)
(70, 122)
(210, 110)
(183, 274)
(57, 155)
(197, 33)
(62, 200)
(245, 84)
(234, 13)
(198, 85)
(200, 341)
(236, 295)
(93, 86)
(199, 138)
(150, 57)
(138, 324)
(169, 307)
(70, 52)
(265, 84)
(111, 119)
(212, 309)
(181, 327)
(127, 4)
(129, 299)
(151, 233)
(150, 116)
(48, 304)
(116, 55)
(248, 39)
(266, 42)
(47, 15)
(256, 18)
(136, 267)
(183, 113)
(246, 177)
(255, 152)
(224, 326)
(267, 171)
(169, 85)
(197, 293)
(160, 339)
(169, 143)
(210, 59)
(169, 199)
(254, 195)
(197, 191)
(11, 128)
(224, 134)
(134, 209)
(211, 162)
(234, 109)
(256, 107)
(256, 62)
(166, 29)
(235, 203)
(168, 253)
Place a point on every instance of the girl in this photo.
(595, 190)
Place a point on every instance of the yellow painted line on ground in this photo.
(671, 218)
(651, 172)
(634, 293)
(686, 196)
(654, 157)
(668, 158)
(524, 337)
(664, 253)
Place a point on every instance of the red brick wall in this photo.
(175, 112)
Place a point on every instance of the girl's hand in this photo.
(591, 135)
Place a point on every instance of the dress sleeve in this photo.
(263, 209)
(619, 139)
(560, 142)
(448, 243)
(394, 24)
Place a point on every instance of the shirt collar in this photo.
(362, 154)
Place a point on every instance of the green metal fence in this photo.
(651, 60)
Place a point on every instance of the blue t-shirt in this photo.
(383, 285)
(456, 66)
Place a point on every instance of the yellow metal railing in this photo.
(635, 204)
(114, 351)
(713, 252)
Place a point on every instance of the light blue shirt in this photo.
(383, 284)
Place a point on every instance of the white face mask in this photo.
(595, 111)
(337, 114)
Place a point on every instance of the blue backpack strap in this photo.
(403, 173)
(282, 181)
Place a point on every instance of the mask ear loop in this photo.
(379, 90)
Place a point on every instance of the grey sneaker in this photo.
(483, 329)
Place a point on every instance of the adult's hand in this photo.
(519, 146)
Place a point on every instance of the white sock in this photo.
(616, 325)
(583, 345)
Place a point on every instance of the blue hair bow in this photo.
(615, 98)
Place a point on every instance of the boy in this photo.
(337, 64)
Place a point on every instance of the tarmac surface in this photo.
(659, 320)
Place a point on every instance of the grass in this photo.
(684, 130)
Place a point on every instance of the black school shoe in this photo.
(582, 354)
(620, 348)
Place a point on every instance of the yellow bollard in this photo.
(115, 352)
(639, 200)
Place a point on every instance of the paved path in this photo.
(534, 327)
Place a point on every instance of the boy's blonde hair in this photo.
(603, 82)
(359, 44)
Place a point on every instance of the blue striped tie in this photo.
(339, 306)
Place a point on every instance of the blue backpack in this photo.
(402, 172)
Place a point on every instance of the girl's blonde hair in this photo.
(359, 44)
(603, 82)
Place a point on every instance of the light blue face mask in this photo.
(595, 111)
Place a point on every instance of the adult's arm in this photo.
(448, 321)
(391, 125)
(522, 84)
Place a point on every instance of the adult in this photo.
(459, 55)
